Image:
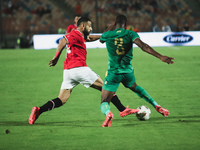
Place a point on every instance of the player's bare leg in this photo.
(97, 84)
(64, 95)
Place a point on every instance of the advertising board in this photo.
(154, 39)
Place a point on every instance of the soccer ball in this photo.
(144, 113)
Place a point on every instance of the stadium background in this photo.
(24, 18)
(26, 80)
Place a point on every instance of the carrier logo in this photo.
(58, 40)
(178, 38)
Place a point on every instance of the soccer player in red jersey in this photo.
(76, 70)
(73, 26)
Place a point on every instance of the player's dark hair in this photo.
(82, 19)
(121, 19)
(77, 15)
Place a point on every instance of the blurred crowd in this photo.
(45, 17)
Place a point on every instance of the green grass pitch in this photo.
(26, 80)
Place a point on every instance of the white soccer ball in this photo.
(144, 113)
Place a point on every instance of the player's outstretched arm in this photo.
(146, 48)
(91, 38)
(60, 47)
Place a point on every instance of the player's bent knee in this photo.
(98, 87)
(98, 84)
(63, 100)
(64, 95)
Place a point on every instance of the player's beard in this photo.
(86, 33)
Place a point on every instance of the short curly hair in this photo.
(82, 19)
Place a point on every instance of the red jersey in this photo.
(71, 27)
(76, 50)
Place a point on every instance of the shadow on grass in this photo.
(170, 119)
(195, 118)
(95, 123)
(75, 123)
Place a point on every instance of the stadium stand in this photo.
(142, 13)
(47, 16)
(32, 16)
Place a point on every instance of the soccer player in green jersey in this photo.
(119, 43)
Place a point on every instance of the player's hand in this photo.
(53, 62)
(91, 38)
(167, 59)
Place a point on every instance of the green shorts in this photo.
(112, 80)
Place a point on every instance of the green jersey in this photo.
(119, 45)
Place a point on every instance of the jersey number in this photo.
(120, 50)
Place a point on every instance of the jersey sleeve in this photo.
(134, 35)
(104, 36)
(70, 39)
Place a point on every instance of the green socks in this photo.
(143, 94)
(105, 108)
